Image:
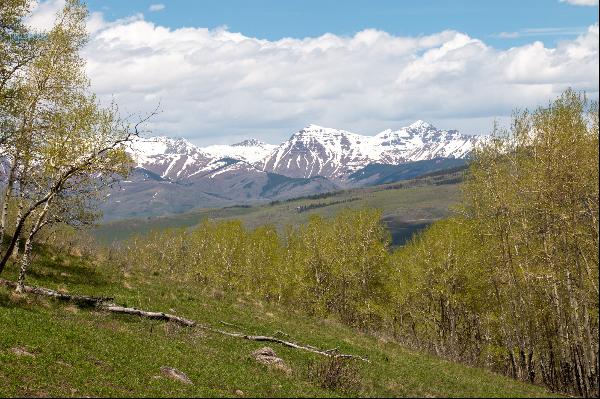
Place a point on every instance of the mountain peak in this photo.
(312, 127)
(313, 130)
(162, 145)
(312, 151)
(420, 124)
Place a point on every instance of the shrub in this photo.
(336, 373)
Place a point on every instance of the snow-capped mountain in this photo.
(178, 159)
(173, 175)
(421, 141)
(312, 151)
(321, 151)
(169, 158)
(251, 151)
(335, 154)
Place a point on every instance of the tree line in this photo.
(510, 282)
(512, 279)
(308, 207)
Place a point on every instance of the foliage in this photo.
(513, 281)
(81, 352)
(326, 267)
(60, 148)
(510, 282)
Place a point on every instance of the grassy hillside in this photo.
(406, 206)
(70, 351)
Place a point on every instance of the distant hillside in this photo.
(175, 176)
(230, 182)
(375, 174)
(407, 206)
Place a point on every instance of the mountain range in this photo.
(173, 175)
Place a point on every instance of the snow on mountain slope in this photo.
(421, 141)
(320, 151)
(169, 158)
(251, 151)
(312, 151)
(224, 165)
(222, 182)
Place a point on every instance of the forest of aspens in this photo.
(510, 282)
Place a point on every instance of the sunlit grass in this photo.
(84, 352)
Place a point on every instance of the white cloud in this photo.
(219, 86)
(157, 7)
(581, 2)
(533, 32)
(43, 14)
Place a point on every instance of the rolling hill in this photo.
(57, 349)
(407, 207)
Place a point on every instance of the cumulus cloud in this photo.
(581, 2)
(218, 86)
(157, 7)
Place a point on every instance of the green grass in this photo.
(84, 352)
(404, 209)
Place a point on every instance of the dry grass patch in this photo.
(336, 373)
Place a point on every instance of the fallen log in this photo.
(111, 307)
(308, 348)
(103, 303)
(87, 300)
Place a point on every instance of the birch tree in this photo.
(513, 282)
(65, 140)
(18, 48)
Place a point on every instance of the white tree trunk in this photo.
(26, 259)
(7, 195)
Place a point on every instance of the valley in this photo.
(174, 176)
(407, 206)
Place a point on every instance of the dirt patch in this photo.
(62, 289)
(171, 328)
(175, 374)
(336, 373)
(112, 325)
(22, 299)
(101, 364)
(22, 351)
(64, 364)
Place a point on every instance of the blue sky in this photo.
(225, 71)
(550, 20)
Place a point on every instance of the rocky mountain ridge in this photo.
(173, 175)
(312, 151)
